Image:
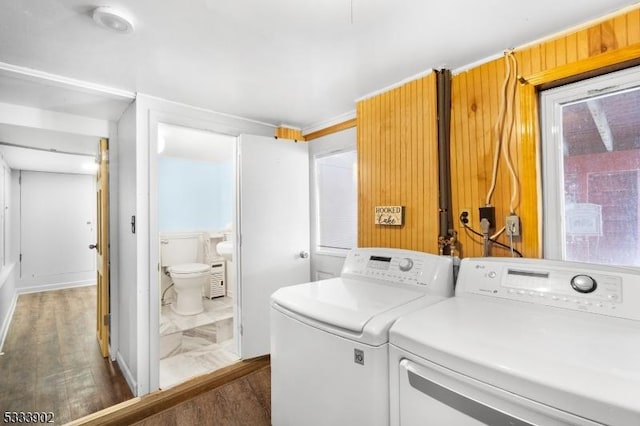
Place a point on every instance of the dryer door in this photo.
(432, 395)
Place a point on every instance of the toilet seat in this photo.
(189, 268)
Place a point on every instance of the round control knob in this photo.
(405, 264)
(583, 283)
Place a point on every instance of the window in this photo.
(336, 201)
(591, 169)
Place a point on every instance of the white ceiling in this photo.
(19, 158)
(278, 61)
(28, 148)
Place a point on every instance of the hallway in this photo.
(51, 361)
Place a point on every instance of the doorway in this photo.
(195, 172)
(51, 348)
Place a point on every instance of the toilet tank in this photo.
(176, 250)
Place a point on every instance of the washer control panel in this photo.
(400, 267)
(584, 287)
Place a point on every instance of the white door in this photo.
(273, 230)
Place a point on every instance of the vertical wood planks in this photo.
(397, 165)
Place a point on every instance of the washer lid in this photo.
(189, 268)
(346, 304)
(582, 363)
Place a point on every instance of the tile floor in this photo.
(196, 344)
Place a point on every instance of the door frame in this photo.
(155, 118)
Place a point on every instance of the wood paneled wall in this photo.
(397, 165)
(475, 103)
(397, 143)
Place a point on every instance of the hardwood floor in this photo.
(244, 401)
(52, 361)
(239, 394)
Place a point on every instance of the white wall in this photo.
(8, 292)
(323, 264)
(123, 160)
(57, 224)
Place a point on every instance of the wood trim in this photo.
(331, 129)
(529, 172)
(619, 59)
(140, 408)
(289, 133)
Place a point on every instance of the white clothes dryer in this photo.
(523, 342)
(329, 339)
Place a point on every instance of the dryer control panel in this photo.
(613, 291)
(401, 267)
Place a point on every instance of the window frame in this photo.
(317, 248)
(551, 102)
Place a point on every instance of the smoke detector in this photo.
(113, 20)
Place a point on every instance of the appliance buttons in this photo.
(583, 283)
(405, 264)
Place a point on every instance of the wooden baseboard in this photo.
(139, 408)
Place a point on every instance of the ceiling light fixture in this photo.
(113, 20)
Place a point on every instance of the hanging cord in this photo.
(510, 121)
(497, 234)
(511, 244)
(505, 122)
(499, 127)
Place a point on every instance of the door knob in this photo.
(93, 246)
(304, 254)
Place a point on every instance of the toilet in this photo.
(179, 256)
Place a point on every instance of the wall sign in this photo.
(389, 215)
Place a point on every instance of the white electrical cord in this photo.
(510, 124)
(499, 128)
(511, 244)
(503, 142)
(497, 234)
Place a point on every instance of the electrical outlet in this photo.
(465, 216)
(489, 213)
(512, 225)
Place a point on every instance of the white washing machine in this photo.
(329, 350)
(523, 342)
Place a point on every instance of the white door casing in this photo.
(272, 231)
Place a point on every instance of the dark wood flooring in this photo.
(51, 359)
(242, 402)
